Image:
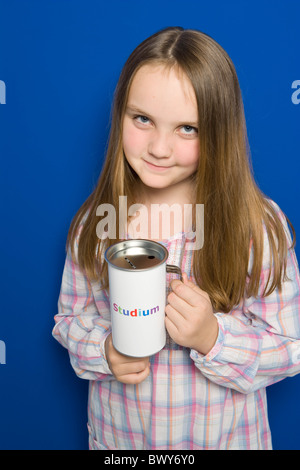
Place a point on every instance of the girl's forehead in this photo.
(161, 83)
(164, 70)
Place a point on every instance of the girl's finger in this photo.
(171, 328)
(135, 378)
(173, 316)
(190, 293)
(180, 306)
(186, 280)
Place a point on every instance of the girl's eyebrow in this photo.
(134, 109)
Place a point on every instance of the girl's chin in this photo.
(152, 183)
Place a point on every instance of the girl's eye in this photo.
(142, 119)
(189, 130)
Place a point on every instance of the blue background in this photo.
(60, 61)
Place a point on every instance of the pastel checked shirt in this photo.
(189, 401)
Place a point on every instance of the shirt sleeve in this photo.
(82, 323)
(259, 341)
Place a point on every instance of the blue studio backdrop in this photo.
(59, 64)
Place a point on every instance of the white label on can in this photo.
(138, 302)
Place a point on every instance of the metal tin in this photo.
(137, 293)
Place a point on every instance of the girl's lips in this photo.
(156, 167)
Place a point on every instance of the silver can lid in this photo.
(136, 255)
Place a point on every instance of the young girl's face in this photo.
(160, 135)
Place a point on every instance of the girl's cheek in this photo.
(132, 138)
(188, 153)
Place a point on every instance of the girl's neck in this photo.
(177, 194)
(165, 212)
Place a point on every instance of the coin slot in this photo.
(130, 262)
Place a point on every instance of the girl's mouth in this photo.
(158, 168)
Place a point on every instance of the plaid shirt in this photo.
(189, 401)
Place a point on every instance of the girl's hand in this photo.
(129, 370)
(189, 316)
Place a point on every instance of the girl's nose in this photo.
(160, 145)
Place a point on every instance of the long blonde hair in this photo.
(235, 208)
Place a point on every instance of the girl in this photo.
(178, 136)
